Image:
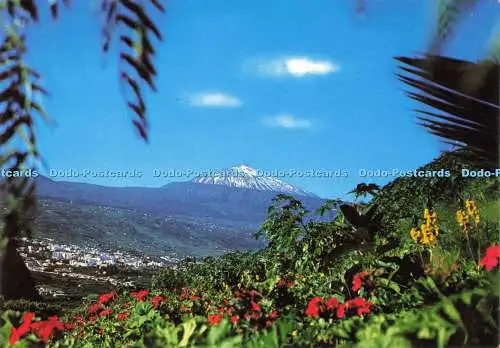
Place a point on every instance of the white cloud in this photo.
(287, 121)
(215, 99)
(296, 67)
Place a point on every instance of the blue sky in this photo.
(276, 84)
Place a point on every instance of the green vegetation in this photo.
(347, 282)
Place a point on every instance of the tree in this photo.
(126, 20)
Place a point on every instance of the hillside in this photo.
(126, 229)
(405, 197)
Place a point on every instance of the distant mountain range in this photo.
(207, 215)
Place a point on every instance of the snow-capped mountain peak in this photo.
(245, 168)
(245, 176)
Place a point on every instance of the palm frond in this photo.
(448, 18)
(17, 111)
(464, 103)
(137, 53)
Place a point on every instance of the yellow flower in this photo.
(415, 234)
(426, 214)
(471, 213)
(462, 217)
(428, 231)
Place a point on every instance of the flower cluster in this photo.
(284, 283)
(42, 329)
(142, 296)
(491, 257)
(359, 279)
(245, 308)
(468, 215)
(428, 231)
(319, 307)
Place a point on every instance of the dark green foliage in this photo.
(363, 190)
(366, 224)
(406, 197)
(170, 278)
(44, 309)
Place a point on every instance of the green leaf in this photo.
(425, 333)
(188, 329)
(216, 333)
(390, 284)
(451, 311)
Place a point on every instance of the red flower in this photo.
(255, 306)
(157, 300)
(252, 293)
(70, 326)
(214, 319)
(23, 329)
(104, 298)
(185, 292)
(313, 307)
(56, 323)
(79, 319)
(358, 280)
(273, 315)
(283, 283)
(94, 308)
(142, 294)
(234, 319)
(363, 306)
(341, 311)
(247, 316)
(490, 259)
(105, 312)
(122, 316)
(44, 329)
(332, 303)
(194, 298)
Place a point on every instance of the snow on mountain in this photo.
(244, 176)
